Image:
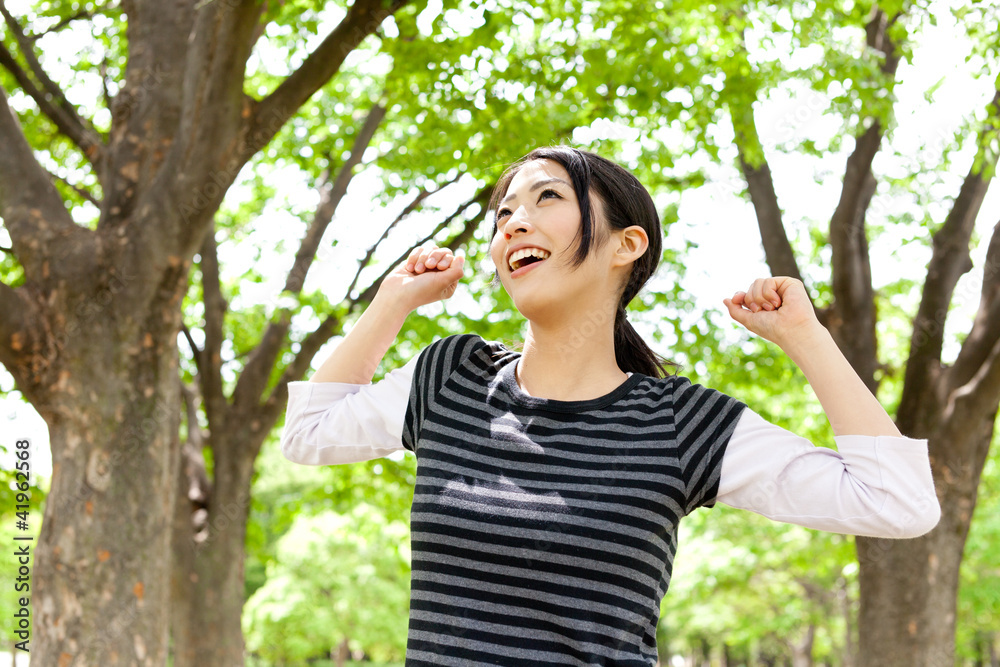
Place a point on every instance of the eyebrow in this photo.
(534, 187)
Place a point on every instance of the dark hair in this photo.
(625, 202)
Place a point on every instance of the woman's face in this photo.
(537, 225)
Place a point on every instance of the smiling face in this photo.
(538, 226)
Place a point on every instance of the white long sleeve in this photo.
(329, 423)
(875, 486)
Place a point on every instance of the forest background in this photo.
(199, 198)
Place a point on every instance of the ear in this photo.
(631, 244)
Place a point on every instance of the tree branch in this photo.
(178, 121)
(51, 99)
(296, 370)
(253, 379)
(83, 192)
(196, 352)
(82, 14)
(481, 198)
(949, 261)
(422, 194)
(985, 330)
(316, 339)
(970, 402)
(105, 90)
(199, 487)
(22, 338)
(271, 113)
(852, 317)
(39, 225)
(777, 249)
(778, 252)
(195, 435)
(215, 311)
(330, 197)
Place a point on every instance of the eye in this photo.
(504, 212)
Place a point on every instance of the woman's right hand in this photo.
(427, 275)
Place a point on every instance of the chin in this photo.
(535, 307)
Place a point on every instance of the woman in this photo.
(550, 482)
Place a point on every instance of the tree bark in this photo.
(848, 654)
(343, 652)
(101, 587)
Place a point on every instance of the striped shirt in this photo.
(543, 531)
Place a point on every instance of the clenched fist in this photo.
(427, 275)
(777, 309)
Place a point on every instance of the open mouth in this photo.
(526, 256)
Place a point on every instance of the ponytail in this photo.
(633, 354)
(631, 351)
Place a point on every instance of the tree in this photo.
(268, 347)
(954, 405)
(90, 334)
(209, 529)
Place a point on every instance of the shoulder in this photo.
(445, 355)
(684, 390)
(462, 346)
(672, 388)
(685, 398)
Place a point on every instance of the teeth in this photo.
(516, 257)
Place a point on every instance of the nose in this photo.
(515, 222)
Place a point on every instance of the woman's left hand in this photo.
(777, 309)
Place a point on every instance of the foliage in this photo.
(337, 576)
(284, 492)
(741, 580)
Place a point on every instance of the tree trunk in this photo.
(802, 653)
(207, 578)
(102, 562)
(908, 612)
(343, 652)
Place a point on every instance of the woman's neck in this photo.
(572, 360)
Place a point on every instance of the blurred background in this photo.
(199, 198)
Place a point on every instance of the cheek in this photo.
(496, 250)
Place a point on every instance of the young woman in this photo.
(550, 482)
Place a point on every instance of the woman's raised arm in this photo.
(878, 483)
(779, 310)
(340, 417)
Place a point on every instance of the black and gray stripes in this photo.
(543, 532)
